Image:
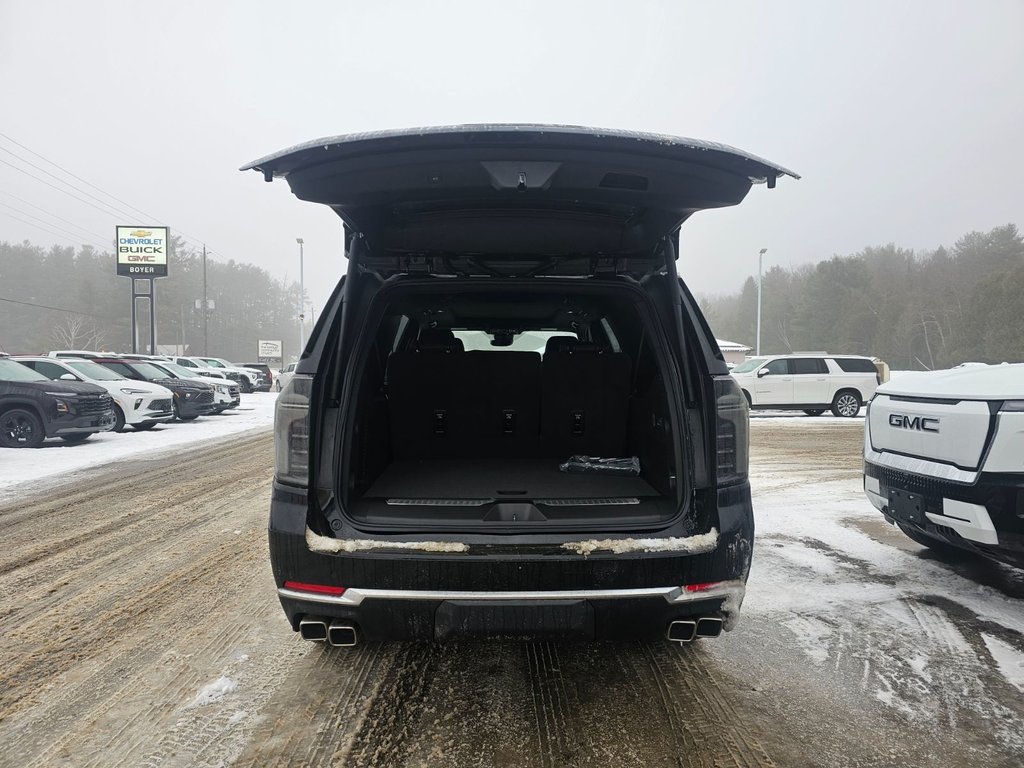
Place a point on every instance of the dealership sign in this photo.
(269, 350)
(142, 252)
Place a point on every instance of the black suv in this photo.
(33, 408)
(511, 418)
(191, 399)
(266, 378)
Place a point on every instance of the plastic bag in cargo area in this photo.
(597, 465)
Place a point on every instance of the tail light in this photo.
(291, 432)
(732, 435)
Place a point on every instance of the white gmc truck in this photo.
(944, 458)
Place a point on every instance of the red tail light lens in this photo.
(701, 587)
(320, 589)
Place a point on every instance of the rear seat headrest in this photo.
(567, 345)
(438, 340)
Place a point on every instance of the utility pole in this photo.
(302, 299)
(760, 259)
(206, 306)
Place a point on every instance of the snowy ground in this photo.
(879, 620)
(143, 629)
(57, 462)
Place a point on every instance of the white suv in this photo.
(246, 378)
(139, 404)
(812, 383)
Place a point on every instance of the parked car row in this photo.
(72, 394)
(250, 377)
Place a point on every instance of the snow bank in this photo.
(691, 545)
(56, 461)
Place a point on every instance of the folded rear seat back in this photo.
(428, 417)
(585, 400)
(504, 395)
(446, 403)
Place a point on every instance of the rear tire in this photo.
(77, 437)
(846, 404)
(21, 428)
(814, 411)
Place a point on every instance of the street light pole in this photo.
(302, 299)
(206, 307)
(760, 259)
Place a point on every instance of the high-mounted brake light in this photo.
(320, 589)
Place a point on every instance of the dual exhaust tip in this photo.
(342, 635)
(686, 631)
(336, 633)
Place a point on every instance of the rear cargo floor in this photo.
(499, 479)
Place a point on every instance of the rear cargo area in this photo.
(450, 435)
(509, 479)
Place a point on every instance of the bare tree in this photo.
(78, 332)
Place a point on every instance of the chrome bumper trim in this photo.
(930, 469)
(355, 596)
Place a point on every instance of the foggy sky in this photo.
(905, 119)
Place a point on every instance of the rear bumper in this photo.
(985, 516)
(423, 596)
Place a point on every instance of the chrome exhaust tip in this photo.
(682, 631)
(342, 635)
(709, 626)
(313, 629)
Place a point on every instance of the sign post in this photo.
(142, 256)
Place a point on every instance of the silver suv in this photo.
(812, 383)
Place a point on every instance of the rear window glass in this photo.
(855, 365)
(807, 365)
(528, 341)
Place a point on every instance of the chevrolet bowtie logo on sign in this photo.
(142, 251)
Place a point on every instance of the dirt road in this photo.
(140, 628)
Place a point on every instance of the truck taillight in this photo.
(291, 432)
(732, 433)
